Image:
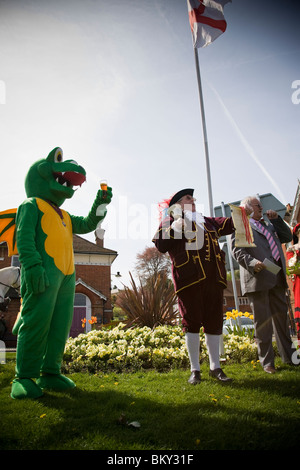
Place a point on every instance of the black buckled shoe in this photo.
(195, 377)
(220, 375)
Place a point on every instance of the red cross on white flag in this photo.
(207, 20)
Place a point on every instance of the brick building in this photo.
(229, 300)
(93, 283)
(93, 286)
(293, 217)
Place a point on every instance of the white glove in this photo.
(178, 224)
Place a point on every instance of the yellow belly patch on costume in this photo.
(59, 241)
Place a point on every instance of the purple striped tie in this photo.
(269, 237)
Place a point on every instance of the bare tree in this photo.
(151, 262)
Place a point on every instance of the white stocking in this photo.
(213, 347)
(193, 344)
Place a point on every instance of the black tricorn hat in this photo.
(180, 194)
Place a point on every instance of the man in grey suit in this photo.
(264, 289)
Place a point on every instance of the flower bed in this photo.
(137, 348)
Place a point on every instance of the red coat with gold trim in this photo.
(193, 250)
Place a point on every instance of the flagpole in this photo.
(208, 176)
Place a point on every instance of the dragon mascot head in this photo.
(53, 178)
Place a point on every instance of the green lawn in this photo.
(256, 412)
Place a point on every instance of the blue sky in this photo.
(113, 82)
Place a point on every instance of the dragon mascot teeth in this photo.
(44, 242)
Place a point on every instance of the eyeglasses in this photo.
(258, 205)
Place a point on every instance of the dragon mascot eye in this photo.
(58, 157)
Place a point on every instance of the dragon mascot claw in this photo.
(43, 239)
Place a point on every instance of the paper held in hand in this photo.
(272, 267)
(243, 231)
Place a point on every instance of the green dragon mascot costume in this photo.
(45, 245)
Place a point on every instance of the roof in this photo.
(81, 245)
(92, 289)
(268, 201)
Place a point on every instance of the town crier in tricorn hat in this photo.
(199, 274)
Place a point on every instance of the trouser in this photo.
(269, 309)
(45, 326)
(201, 305)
